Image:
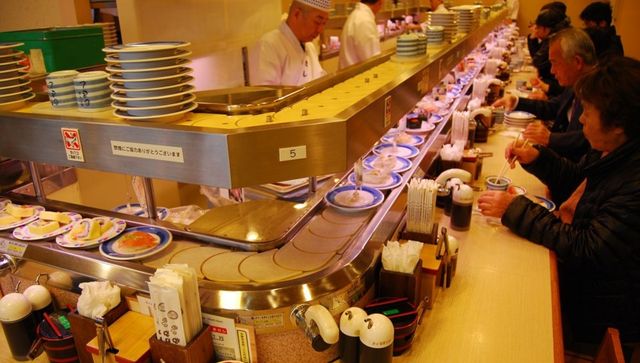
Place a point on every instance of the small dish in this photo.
(36, 210)
(391, 181)
(551, 206)
(65, 240)
(142, 50)
(23, 233)
(342, 198)
(520, 115)
(137, 243)
(401, 164)
(424, 128)
(404, 151)
(517, 190)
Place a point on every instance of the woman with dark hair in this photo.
(596, 232)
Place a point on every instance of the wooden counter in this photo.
(503, 304)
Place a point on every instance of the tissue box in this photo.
(199, 349)
(84, 329)
(400, 284)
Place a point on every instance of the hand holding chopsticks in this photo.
(512, 157)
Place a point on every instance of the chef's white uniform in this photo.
(279, 59)
(359, 40)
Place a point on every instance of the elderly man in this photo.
(360, 39)
(572, 55)
(286, 56)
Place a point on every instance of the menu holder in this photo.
(198, 350)
(430, 238)
(401, 284)
(84, 329)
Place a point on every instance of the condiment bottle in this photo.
(462, 203)
(376, 339)
(40, 299)
(451, 184)
(351, 321)
(18, 324)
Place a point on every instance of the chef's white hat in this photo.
(324, 5)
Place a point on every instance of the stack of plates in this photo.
(109, 33)
(518, 118)
(151, 80)
(15, 87)
(448, 21)
(435, 34)
(468, 17)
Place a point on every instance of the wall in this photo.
(32, 14)
(217, 30)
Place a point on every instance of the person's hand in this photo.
(521, 151)
(494, 203)
(508, 102)
(537, 133)
(537, 95)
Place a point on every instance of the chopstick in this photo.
(508, 162)
(53, 325)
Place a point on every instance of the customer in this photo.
(437, 6)
(572, 55)
(286, 56)
(533, 42)
(548, 22)
(597, 20)
(360, 40)
(596, 234)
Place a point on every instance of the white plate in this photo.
(401, 165)
(519, 115)
(139, 47)
(119, 96)
(404, 151)
(183, 82)
(123, 106)
(180, 63)
(66, 241)
(393, 180)
(25, 82)
(14, 54)
(162, 240)
(415, 139)
(8, 45)
(22, 233)
(118, 78)
(113, 58)
(36, 210)
(341, 198)
(158, 118)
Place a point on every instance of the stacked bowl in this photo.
(468, 17)
(60, 88)
(447, 20)
(92, 91)
(518, 119)
(151, 80)
(15, 87)
(435, 34)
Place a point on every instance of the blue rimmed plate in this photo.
(403, 151)
(343, 198)
(400, 166)
(551, 206)
(137, 243)
(390, 182)
(436, 119)
(136, 209)
(23, 233)
(65, 240)
(36, 210)
(412, 140)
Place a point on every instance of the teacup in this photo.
(493, 183)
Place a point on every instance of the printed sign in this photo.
(147, 151)
(72, 144)
(13, 248)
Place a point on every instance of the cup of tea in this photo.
(493, 183)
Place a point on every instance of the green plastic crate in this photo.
(62, 48)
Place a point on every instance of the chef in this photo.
(360, 39)
(437, 6)
(286, 56)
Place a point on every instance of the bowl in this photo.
(493, 183)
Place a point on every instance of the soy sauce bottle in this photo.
(461, 207)
(351, 321)
(376, 339)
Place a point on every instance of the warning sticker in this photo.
(72, 144)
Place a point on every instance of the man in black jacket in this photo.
(572, 55)
(597, 20)
(596, 231)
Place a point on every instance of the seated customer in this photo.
(596, 234)
(597, 20)
(572, 55)
(548, 22)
